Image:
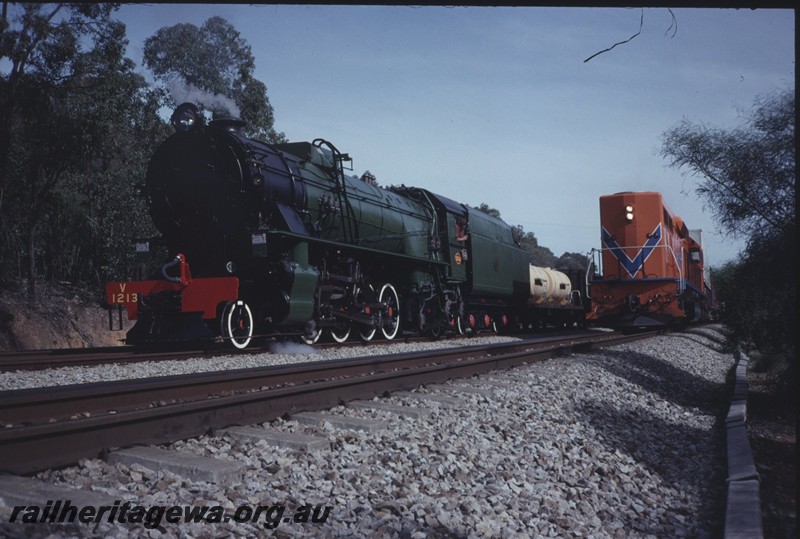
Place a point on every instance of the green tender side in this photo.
(498, 267)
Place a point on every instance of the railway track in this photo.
(57, 426)
(31, 360)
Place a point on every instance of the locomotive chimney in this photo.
(234, 125)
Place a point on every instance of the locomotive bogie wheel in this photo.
(391, 327)
(237, 324)
(500, 324)
(469, 325)
(460, 326)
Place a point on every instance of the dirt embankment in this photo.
(60, 317)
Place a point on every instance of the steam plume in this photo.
(183, 91)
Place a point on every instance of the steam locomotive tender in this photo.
(278, 240)
(652, 265)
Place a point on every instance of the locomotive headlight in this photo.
(629, 213)
(185, 118)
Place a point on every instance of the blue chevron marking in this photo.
(632, 265)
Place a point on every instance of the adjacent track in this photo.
(34, 360)
(57, 426)
(31, 360)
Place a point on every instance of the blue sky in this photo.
(496, 104)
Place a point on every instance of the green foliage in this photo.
(84, 125)
(41, 43)
(78, 126)
(484, 207)
(212, 66)
(537, 254)
(756, 295)
(575, 261)
(747, 178)
(747, 175)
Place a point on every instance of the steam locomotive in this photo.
(277, 240)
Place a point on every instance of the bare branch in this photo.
(673, 24)
(641, 23)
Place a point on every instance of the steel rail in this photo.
(48, 404)
(34, 360)
(31, 360)
(38, 443)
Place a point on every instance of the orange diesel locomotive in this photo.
(649, 271)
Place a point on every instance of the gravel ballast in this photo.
(277, 353)
(622, 442)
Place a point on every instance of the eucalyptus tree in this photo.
(71, 108)
(40, 45)
(213, 66)
(746, 176)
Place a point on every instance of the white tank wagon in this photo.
(555, 299)
(549, 286)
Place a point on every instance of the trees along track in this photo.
(56, 426)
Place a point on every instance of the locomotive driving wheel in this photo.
(342, 327)
(312, 340)
(366, 333)
(237, 324)
(435, 332)
(307, 339)
(391, 325)
(341, 333)
(460, 325)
